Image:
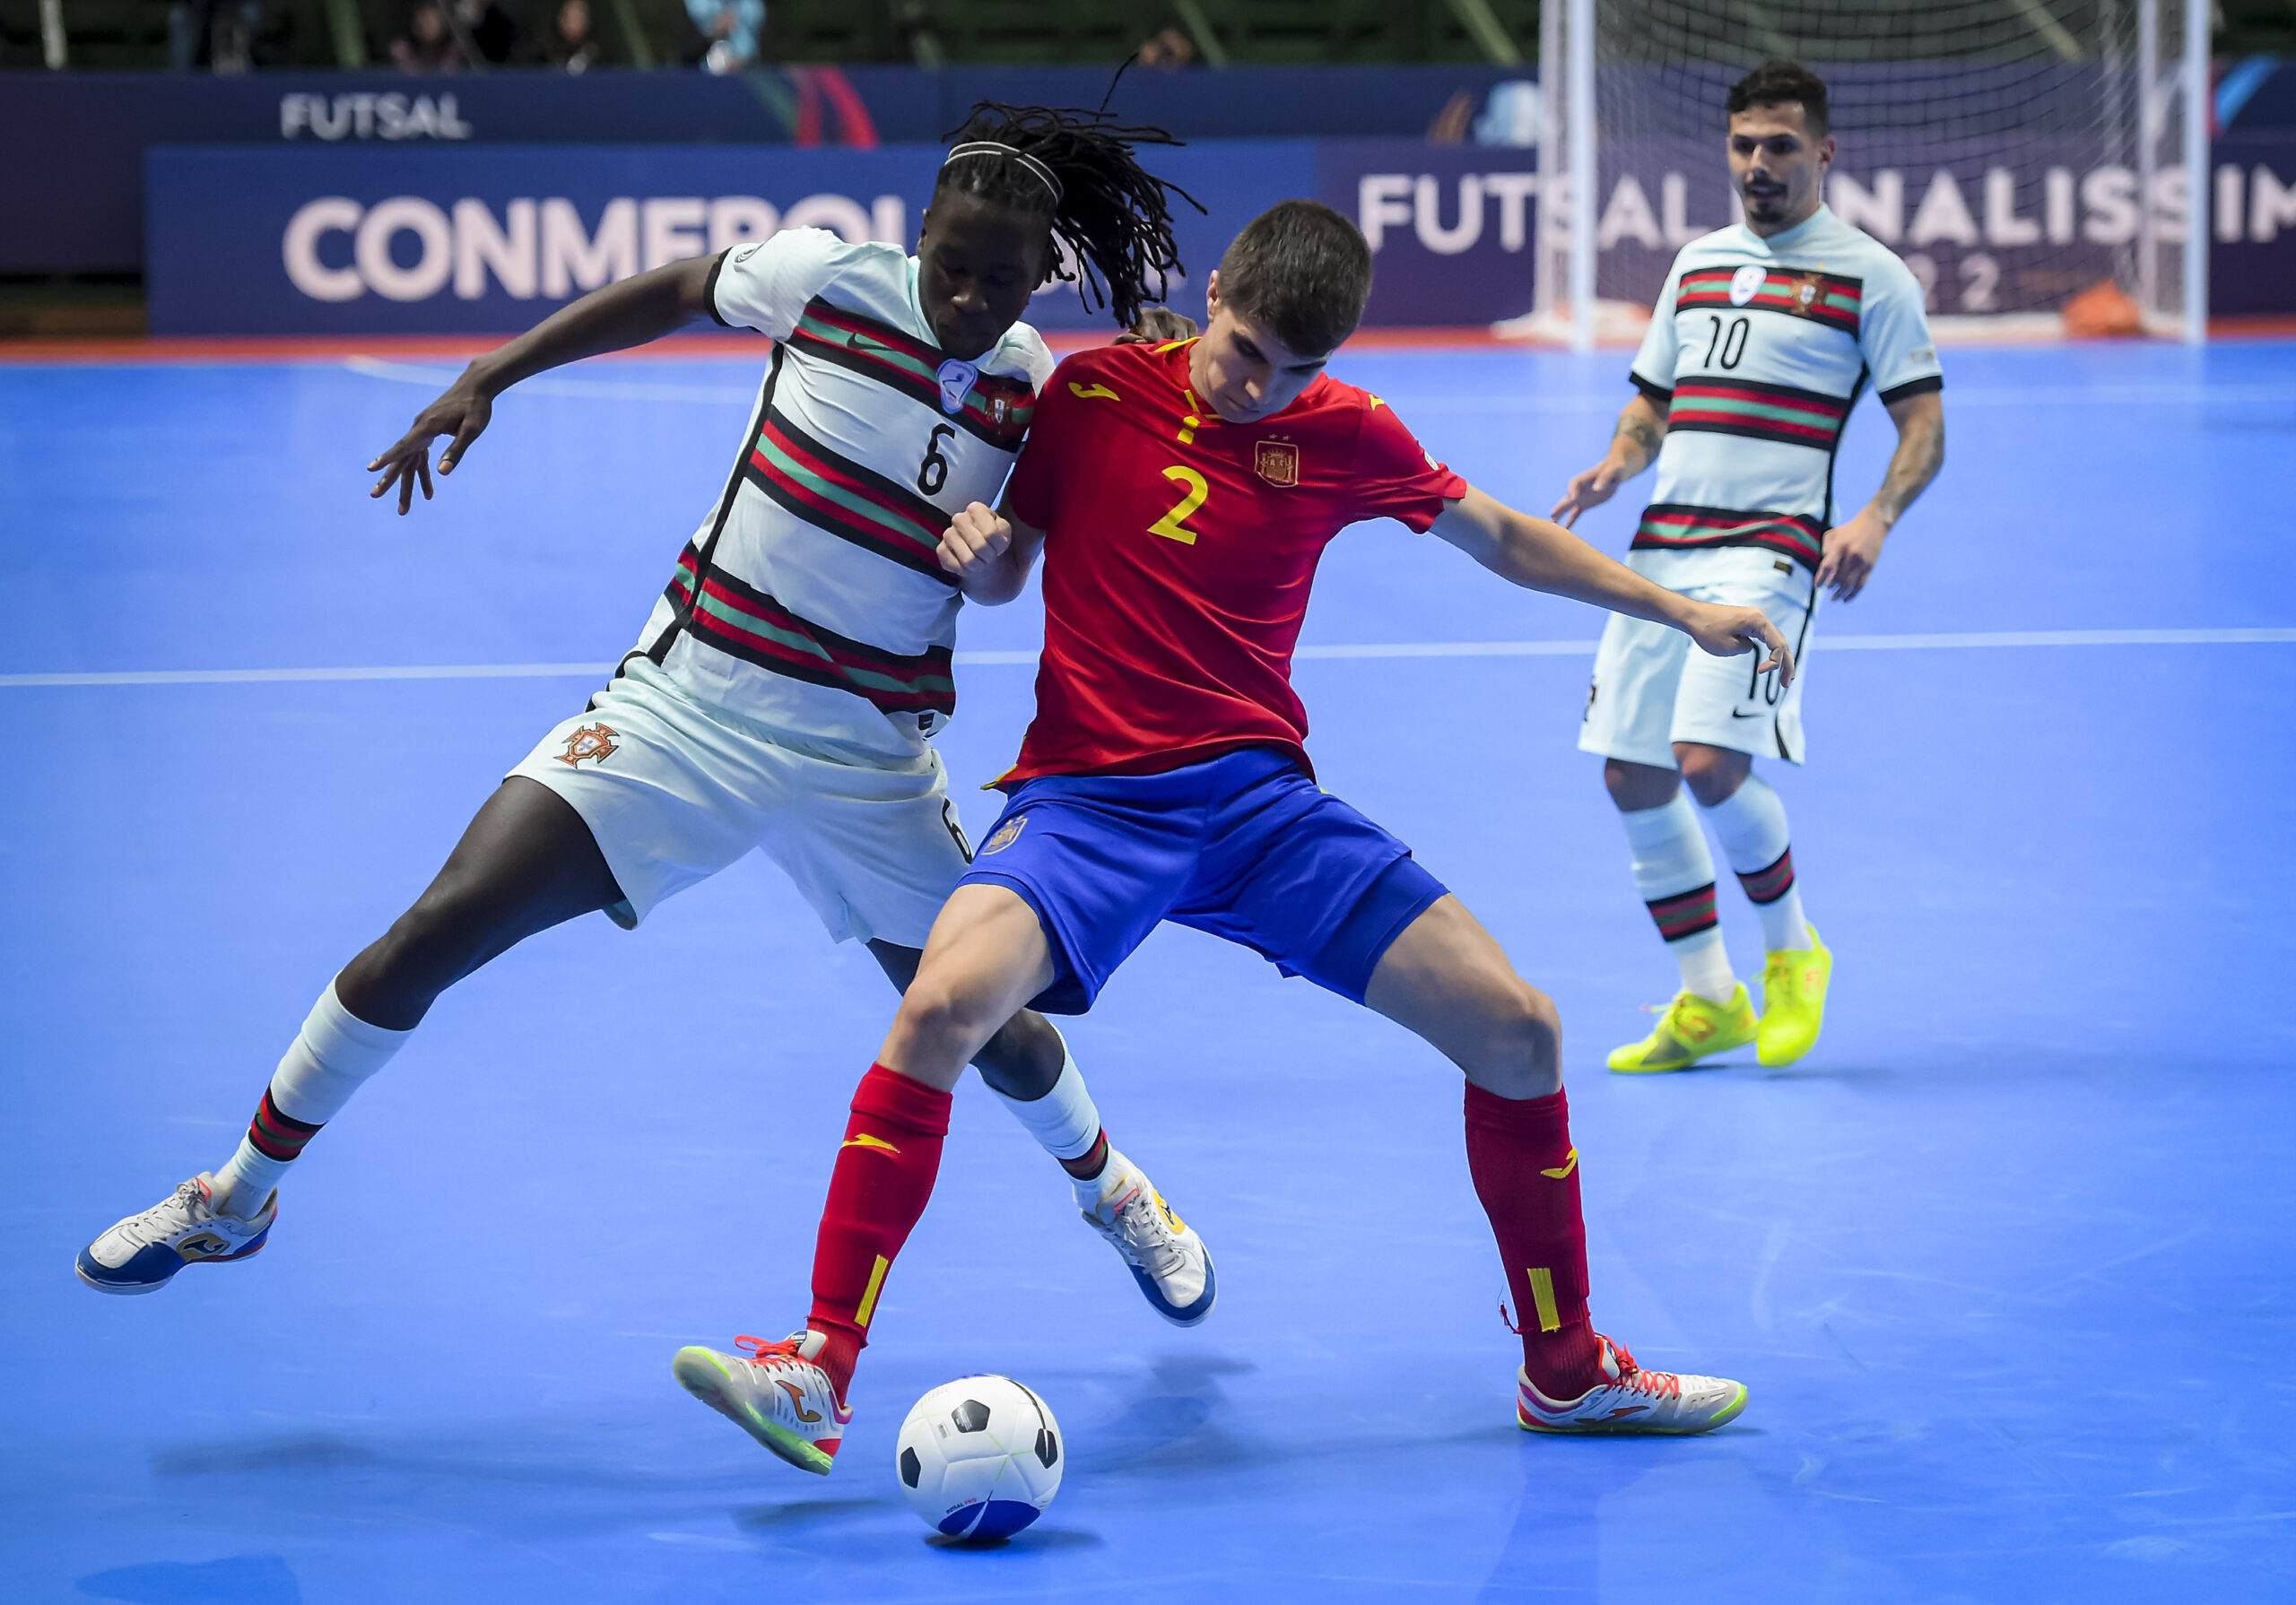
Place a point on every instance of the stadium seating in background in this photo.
(150, 34)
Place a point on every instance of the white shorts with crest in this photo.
(674, 792)
(1653, 687)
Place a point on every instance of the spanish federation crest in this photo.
(1006, 833)
(1277, 461)
(592, 741)
(957, 380)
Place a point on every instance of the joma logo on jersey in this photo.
(594, 741)
(1277, 461)
(1006, 835)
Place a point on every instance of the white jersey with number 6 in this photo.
(809, 603)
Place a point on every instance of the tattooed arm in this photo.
(1634, 447)
(1852, 549)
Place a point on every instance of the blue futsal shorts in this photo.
(1244, 847)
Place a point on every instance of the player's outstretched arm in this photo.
(1634, 447)
(629, 312)
(1541, 555)
(990, 553)
(1852, 549)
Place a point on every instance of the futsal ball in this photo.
(979, 1457)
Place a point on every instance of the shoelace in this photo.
(763, 1353)
(1659, 1385)
(1144, 1238)
(146, 1229)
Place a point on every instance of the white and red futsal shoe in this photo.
(775, 1392)
(187, 1228)
(1631, 1400)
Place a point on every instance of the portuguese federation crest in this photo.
(592, 741)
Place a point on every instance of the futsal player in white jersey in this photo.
(1762, 341)
(781, 696)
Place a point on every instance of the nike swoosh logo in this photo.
(1736, 715)
(797, 1402)
(1082, 394)
(865, 1140)
(1570, 1166)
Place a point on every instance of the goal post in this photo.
(2017, 154)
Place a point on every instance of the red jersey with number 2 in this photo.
(1178, 553)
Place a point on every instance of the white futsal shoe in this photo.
(1631, 1400)
(140, 1253)
(775, 1392)
(1167, 1258)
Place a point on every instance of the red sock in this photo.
(882, 1180)
(1526, 1173)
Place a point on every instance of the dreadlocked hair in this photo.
(1113, 216)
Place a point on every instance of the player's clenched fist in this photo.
(975, 539)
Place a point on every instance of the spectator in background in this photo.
(439, 40)
(569, 44)
(488, 29)
(429, 44)
(732, 27)
(1169, 51)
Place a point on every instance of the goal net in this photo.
(2015, 152)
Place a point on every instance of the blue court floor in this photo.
(2006, 1263)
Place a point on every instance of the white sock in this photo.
(1674, 875)
(331, 1056)
(1750, 825)
(1065, 1121)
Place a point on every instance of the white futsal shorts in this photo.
(674, 795)
(1653, 687)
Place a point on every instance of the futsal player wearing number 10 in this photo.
(1765, 336)
(1181, 495)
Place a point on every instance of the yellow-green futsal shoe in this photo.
(1692, 1029)
(1793, 1001)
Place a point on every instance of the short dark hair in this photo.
(1782, 83)
(1302, 269)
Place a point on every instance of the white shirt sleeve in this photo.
(1893, 332)
(1037, 355)
(1654, 364)
(765, 285)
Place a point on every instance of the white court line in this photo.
(2109, 396)
(2263, 635)
(2116, 395)
(408, 373)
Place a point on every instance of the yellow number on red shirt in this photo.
(1173, 525)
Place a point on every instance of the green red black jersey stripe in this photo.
(1758, 412)
(843, 498)
(1828, 299)
(997, 410)
(745, 622)
(1668, 526)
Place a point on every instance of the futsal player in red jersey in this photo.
(1181, 495)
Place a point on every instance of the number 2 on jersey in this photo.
(1173, 525)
